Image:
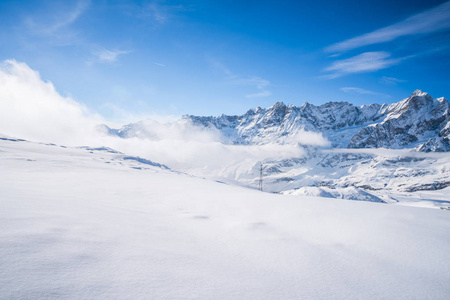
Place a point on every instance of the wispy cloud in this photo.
(429, 21)
(391, 80)
(261, 84)
(158, 64)
(108, 56)
(254, 81)
(53, 25)
(365, 62)
(260, 94)
(158, 12)
(360, 91)
(219, 66)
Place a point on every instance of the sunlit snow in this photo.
(83, 223)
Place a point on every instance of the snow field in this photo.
(82, 225)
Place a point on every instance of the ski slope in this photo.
(80, 223)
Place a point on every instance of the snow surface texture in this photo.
(81, 223)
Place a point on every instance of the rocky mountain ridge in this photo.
(418, 121)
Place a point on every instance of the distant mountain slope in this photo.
(351, 168)
(282, 123)
(417, 121)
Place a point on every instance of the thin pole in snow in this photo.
(261, 177)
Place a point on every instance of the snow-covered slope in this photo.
(353, 174)
(81, 223)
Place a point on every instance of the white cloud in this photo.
(365, 62)
(200, 152)
(360, 91)
(304, 137)
(429, 21)
(109, 56)
(31, 108)
(204, 151)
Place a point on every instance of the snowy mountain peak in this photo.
(419, 100)
(278, 105)
(408, 123)
(418, 93)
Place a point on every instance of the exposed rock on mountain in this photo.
(284, 123)
(417, 121)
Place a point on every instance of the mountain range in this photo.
(356, 151)
(418, 121)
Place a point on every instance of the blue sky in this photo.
(132, 59)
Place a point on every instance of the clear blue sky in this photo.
(213, 57)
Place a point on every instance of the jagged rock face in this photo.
(407, 122)
(417, 121)
(435, 145)
(280, 123)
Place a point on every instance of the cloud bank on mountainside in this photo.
(31, 108)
